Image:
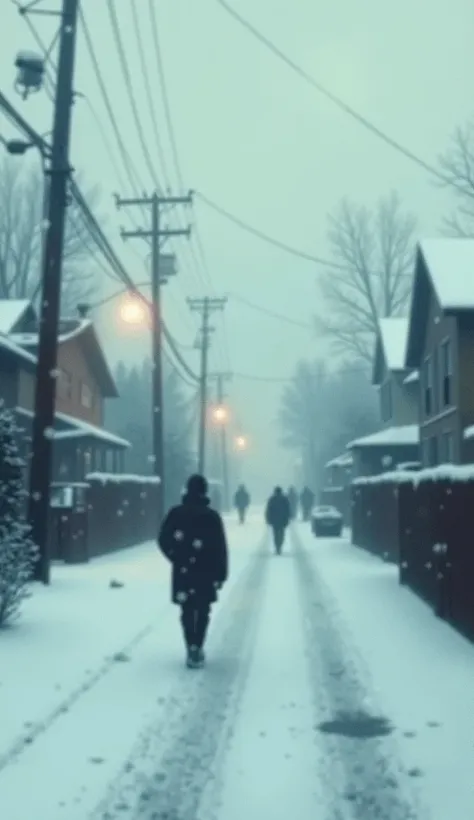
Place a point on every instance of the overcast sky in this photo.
(256, 139)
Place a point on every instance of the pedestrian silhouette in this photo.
(278, 516)
(192, 538)
(307, 499)
(293, 501)
(242, 502)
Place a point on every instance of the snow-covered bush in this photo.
(17, 551)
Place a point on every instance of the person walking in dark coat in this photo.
(242, 502)
(293, 501)
(192, 538)
(307, 499)
(278, 516)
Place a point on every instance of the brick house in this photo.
(441, 346)
(81, 444)
(397, 442)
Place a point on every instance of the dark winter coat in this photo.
(193, 539)
(278, 511)
(241, 499)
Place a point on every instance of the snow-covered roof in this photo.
(444, 472)
(451, 266)
(345, 460)
(469, 432)
(391, 437)
(31, 339)
(11, 311)
(393, 333)
(7, 344)
(412, 377)
(80, 429)
(118, 478)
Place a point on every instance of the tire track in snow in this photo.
(174, 762)
(365, 780)
(39, 728)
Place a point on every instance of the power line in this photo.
(131, 94)
(279, 316)
(130, 169)
(343, 106)
(261, 235)
(149, 94)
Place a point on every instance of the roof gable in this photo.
(83, 332)
(450, 264)
(423, 294)
(16, 315)
(390, 350)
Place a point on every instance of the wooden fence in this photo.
(425, 524)
(108, 513)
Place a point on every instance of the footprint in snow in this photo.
(433, 724)
(409, 734)
(121, 657)
(96, 760)
(415, 772)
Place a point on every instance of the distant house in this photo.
(338, 471)
(398, 441)
(441, 346)
(81, 444)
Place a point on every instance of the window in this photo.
(435, 380)
(428, 386)
(86, 395)
(386, 401)
(448, 448)
(447, 373)
(433, 452)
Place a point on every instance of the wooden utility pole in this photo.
(205, 307)
(161, 268)
(59, 171)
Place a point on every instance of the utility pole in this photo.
(221, 378)
(162, 266)
(59, 171)
(205, 307)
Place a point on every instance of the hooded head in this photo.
(196, 487)
(278, 491)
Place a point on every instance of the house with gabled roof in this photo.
(441, 347)
(84, 383)
(398, 440)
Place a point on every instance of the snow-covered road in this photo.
(330, 693)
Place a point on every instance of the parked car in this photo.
(326, 521)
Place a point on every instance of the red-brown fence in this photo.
(108, 513)
(424, 523)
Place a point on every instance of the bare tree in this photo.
(374, 252)
(321, 412)
(457, 166)
(22, 229)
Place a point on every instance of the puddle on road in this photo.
(356, 725)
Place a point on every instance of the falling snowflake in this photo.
(192, 560)
(54, 373)
(49, 433)
(181, 597)
(178, 535)
(36, 496)
(192, 591)
(183, 570)
(197, 544)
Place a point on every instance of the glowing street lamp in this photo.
(241, 443)
(133, 311)
(220, 414)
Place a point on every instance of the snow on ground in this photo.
(329, 692)
(420, 669)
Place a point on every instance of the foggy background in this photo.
(258, 141)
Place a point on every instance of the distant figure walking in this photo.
(293, 501)
(278, 516)
(193, 539)
(307, 499)
(242, 502)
